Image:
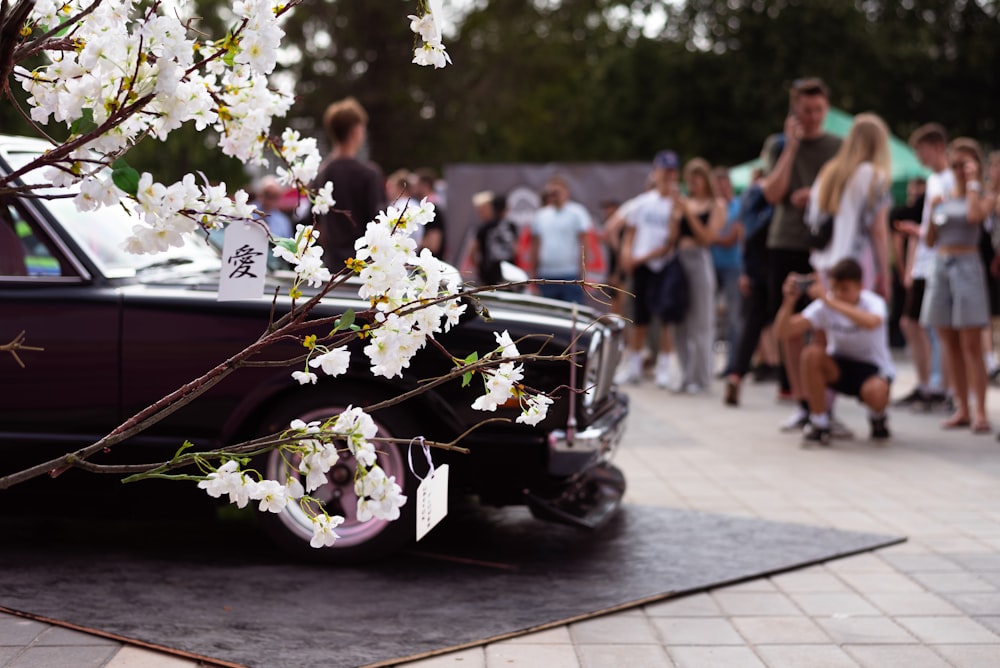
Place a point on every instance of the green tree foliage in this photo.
(910, 61)
(523, 84)
(580, 80)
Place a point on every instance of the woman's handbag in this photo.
(821, 233)
(668, 296)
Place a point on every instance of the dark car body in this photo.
(117, 338)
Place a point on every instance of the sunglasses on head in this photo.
(808, 87)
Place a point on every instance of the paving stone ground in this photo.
(931, 602)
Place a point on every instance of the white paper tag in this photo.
(244, 262)
(432, 500)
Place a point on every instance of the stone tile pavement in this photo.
(931, 602)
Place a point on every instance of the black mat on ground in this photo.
(215, 590)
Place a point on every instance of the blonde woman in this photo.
(956, 303)
(853, 187)
(702, 213)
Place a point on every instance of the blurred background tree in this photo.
(595, 80)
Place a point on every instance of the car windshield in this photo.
(102, 233)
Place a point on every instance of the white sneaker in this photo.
(631, 370)
(797, 421)
(663, 372)
(692, 388)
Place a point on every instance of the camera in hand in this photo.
(803, 282)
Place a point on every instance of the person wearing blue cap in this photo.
(651, 222)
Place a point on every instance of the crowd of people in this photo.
(814, 254)
(811, 262)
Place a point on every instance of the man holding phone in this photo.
(856, 360)
(806, 149)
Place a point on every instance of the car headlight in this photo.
(592, 381)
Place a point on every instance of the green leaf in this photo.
(230, 58)
(125, 177)
(84, 124)
(466, 378)
(345, 321)
(472, 357)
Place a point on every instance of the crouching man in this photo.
(856, 359)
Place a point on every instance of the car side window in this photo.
(24, 249)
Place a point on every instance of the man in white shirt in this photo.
(856, 360)
(929, 142)
(558, 240)
(650, 235)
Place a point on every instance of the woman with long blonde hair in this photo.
(853, 187)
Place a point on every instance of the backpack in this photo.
(755, 211)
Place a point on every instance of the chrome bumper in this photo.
(601, 437)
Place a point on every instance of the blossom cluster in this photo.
(134, 71)
(304, 256)
(430, 51)
(317, 448)
(242, 487)
(126, 54)
(504, 382)
(414, 296)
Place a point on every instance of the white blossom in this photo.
(333, 362)
(379, 496)
(273, 496)
(431, 54)
(222, 480)
(323, 530)
(305, 377)
(323, 200)
(534, 409)
(506, 345)
(500, 384)
(310, 428)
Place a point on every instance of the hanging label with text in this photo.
(432, 500)
(244, 262)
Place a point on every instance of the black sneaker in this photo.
(880, 430)
(814, 435)
(915, 397)
(946, 404)
(763, 373)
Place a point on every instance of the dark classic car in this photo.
(120, 331)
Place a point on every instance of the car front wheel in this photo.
(359, 541)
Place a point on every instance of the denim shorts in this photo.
(956, 293)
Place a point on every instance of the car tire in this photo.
(359, 541)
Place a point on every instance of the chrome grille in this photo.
(607, 344)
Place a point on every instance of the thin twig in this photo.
(15, 345)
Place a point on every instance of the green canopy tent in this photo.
(905, 165)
